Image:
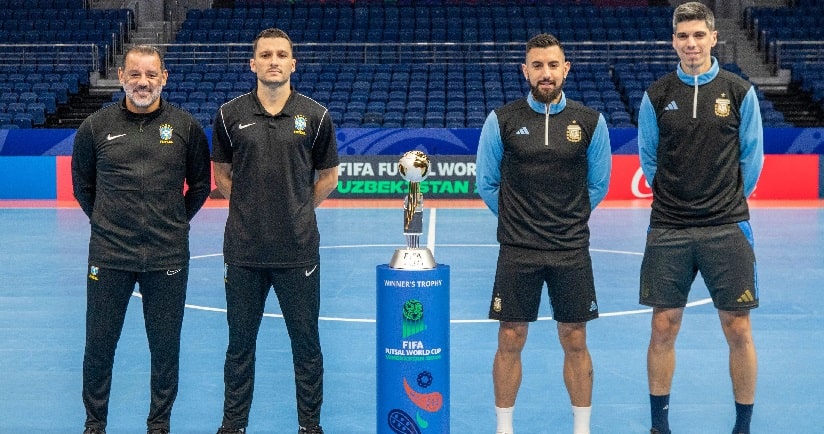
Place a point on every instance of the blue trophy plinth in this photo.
(412, 350)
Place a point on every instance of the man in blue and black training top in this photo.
(543, 165)
(701, 147)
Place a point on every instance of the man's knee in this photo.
(573, 336)
(512, 336)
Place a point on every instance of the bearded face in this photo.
(546, 70)
(142, 78)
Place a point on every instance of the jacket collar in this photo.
(702, 78)
(540, 107)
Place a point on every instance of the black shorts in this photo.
(521, 275)
(723, 254)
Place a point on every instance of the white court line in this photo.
(430, 244)
(452, 321)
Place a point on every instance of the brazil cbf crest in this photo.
(573, 133)
(722, 106)
(166, 131)
(300, 125)
(93, 270)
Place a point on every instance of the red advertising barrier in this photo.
(64, 178)
(783, 177)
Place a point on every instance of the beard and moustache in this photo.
(142, 101)
(546, 96)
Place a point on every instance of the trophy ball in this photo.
(414, 166)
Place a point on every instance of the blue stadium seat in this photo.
(15, 108)
(27, 97)
(23, 120)
(197, 96)
(620, 118)
(8, 97)
(351, 117)
(417, 96)
(217, 97)
(72, 81)
(191, 107)
(475, 120)
(455, 105)
(187, 86)
(204, 119)
(356, 107)
(418, 107)
(37, 110)
(372, 119)
(22, 86)
(223, 86)
(210, 107)
(392, 117)
(49, 102)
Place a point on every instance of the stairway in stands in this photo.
(797, 106)
(79, 107)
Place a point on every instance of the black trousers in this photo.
(298, 292)
(108, 294)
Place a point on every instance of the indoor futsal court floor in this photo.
(43, 250)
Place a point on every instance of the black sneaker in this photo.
(311, 430)
(224, 430)
(157, 431)
(90, 430)
(655, 431)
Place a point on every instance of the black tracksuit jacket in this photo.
(128, 174)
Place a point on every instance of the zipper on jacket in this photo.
(546, 126)
(695, 97)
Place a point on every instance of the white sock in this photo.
(580, 419)
(504, 416)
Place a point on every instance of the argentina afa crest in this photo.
(722, 106)
(573, 132)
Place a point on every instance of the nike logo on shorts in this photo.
(309, 272)
(172, 272)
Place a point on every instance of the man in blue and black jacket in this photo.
(543, 165)
(701, 148)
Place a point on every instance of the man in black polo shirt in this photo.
(275, 158)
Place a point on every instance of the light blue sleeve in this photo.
(648, 138)
(488, 162)
(599, 161)
(751, 136)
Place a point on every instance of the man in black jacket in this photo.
(129, 166)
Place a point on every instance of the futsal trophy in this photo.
(414, 167)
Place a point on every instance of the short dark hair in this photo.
(145, 50)
(271, 33)
(543, 40)
(693, 11)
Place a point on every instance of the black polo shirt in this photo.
(274, 158)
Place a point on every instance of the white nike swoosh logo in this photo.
(172, 272)
(309, 272)
(111, 137)
(242, 126)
